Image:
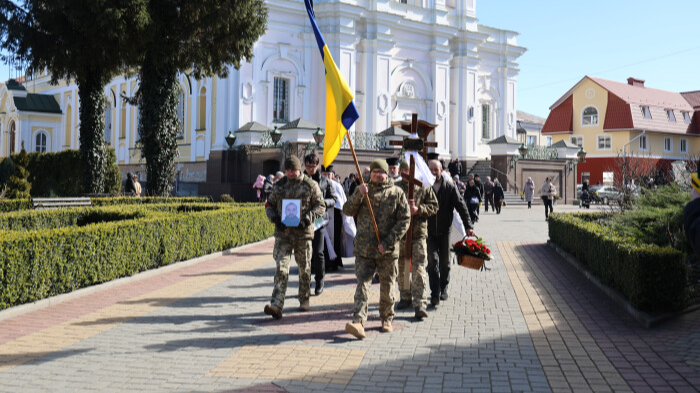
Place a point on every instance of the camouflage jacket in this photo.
(312, 205)
(427, 204)
(391, 213)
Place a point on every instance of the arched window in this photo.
(181, 113)
(69, 126)
(40, 142)
(486, 121)
(202, 110)
(12, 137)
(590, 116)
(108, 123)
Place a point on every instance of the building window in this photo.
(202, 110)
(684, 145)
(486, 122)
(40, 142)
(108, 123)
(531, 139)
(668, 145)
(608, 177)
(577, 140)
(686, 117)
(180, 114)
(671, 116)
(646, 112)
(604, 142)
(280, 101)
(643, 143)
(590, 116)
(549, 141)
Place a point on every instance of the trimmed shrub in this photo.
(652, 278)
(18, 185)
(226, 198)
(146, 200)
(36, 264)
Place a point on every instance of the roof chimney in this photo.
(635, 82)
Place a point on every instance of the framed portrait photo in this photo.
(291, 212)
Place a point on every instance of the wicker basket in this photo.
(470, 262)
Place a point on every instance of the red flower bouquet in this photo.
(471, 253)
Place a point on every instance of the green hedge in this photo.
(11, 205)
(35, 264)
(61, 173)
(146, 200)
(650, 277)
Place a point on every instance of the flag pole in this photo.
(362, 181)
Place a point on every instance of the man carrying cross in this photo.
(423, 205)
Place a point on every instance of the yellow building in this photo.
(609, 118)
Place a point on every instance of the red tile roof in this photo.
(693, 98)
(561, 117)
(644, 95)
(618, 114)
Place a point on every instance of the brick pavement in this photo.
(531, 323)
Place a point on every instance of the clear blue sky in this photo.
(658, 41)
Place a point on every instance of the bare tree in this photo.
(630, 172)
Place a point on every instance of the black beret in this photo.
(392, 161)
(433, 156)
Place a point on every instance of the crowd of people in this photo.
(334, 220)
(368, 216)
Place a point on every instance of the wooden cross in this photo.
(421, 144)
(411, 145)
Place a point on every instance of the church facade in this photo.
(430, 57)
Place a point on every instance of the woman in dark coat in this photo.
(497, 195)
(472, 197)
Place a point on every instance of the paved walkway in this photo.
(531, 323)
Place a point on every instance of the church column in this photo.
(465, 66)
(375, 112)
(508, 114)
(438, 112)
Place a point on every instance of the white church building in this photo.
(430, 57)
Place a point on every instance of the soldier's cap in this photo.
(328, 168)
(433, 156)
(403, 165)
(292, 163)
(392, 161)
(379, 164)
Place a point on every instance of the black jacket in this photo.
(472, 192)
(498, 192)
(327, 192)
(692, 224)
(448, 199)
(480, 186)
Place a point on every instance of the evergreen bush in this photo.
(652, 278)
(114, 242)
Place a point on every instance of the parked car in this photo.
(605, 194)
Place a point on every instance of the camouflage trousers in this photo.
(282, 254)
(364, 270)
(417, 290)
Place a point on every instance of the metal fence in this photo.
(535, 152)
(364, 141)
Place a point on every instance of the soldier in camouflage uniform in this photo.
(392, 216)
(295, 185)
(423, 205)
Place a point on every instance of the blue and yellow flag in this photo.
(340, 108)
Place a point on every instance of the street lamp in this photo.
(523, 150)
(230, 139)
(318, 136)
(276, 135)
(581, 155)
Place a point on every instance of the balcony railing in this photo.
(364, 141)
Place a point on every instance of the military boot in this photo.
(356, 329)
(403, 304)
(304, 306)
(421, 313)
(386, 326)
(274, 311)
